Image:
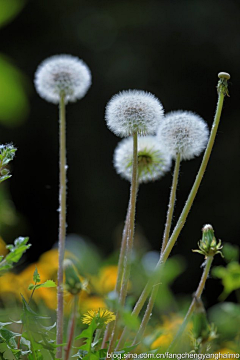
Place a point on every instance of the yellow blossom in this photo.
(103, 316)
(162, 341)
(167, 332)
(106, 280)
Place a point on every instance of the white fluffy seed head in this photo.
(62, 74)
(133, 111)
(153, 161)
(184, 133)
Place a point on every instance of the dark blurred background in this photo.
(173, 49)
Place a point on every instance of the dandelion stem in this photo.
(119, 274)
(222, 91)
(147, 315)
(155, 288)
(171, 203)
(196, 299)
(71, 328)
(62, 221)
(130, 236)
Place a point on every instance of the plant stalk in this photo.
(119, 274)
(167, 229)
(222, 91)
(62, 221)
(196, 299)
(171, 203)
(130, 237)
(71, 328)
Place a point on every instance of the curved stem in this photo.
(182, 219)
(130, 236)
(62, 221)
(171, 203)
(196, 299)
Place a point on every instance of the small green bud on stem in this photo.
(72, 281)
(208, 245)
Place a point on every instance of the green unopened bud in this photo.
(72, 281)
(208, 245)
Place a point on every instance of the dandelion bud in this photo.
(62, 75)
(208, 245)
(133, 111)
(153, 162)
(72, 281)
(184, 133)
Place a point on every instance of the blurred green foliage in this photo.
(226, 317)
(9, 9)
(14, 105)
(230, 275)
(230, 252)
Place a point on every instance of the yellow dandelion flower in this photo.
(167, 331)
(106, 280)
(103, 316)
(162, 341)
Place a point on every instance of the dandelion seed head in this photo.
(153, 161)
(133, 111)
(62, 74)
(184, 133)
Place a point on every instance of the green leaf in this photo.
(8, 355)
(36, 276)
(4, 324)
(14, 104)
(27, 311)
(9, 337)
(47, 284)
(88, 334)
(16, 252)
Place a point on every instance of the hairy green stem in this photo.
(167, 229)
(171, 203)
(62, 220)
(130, 237)
(222, 91)
(196, 299)
(147, 315)
(122, 255)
